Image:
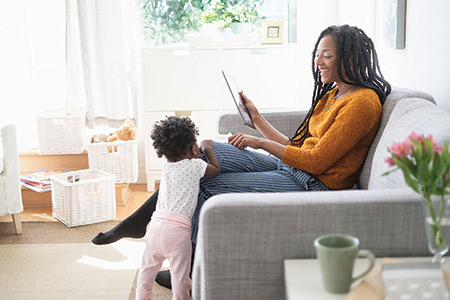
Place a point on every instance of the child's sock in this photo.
(135, 226)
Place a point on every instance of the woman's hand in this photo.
(254, 113)
(242, 141)
(267, 130)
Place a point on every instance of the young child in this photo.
(168, 236)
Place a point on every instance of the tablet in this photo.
(235, 93)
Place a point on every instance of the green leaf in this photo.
(403, 164)
(429, 151)
(422, 172)
(411, 183)
(389, 172)
(419, 150)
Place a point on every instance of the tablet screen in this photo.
(235, 93)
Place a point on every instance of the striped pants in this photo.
(247, 171)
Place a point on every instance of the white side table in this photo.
(303, 279)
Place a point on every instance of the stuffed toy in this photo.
(126, 132)
(100, 138)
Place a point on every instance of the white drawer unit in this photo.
(188, 81)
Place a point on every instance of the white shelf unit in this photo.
(188, 81)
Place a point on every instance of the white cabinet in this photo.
(188, 81)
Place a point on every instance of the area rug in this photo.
(51, 261)
(51, 232)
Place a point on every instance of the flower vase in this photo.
(437, 226)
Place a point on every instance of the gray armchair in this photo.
(10, 189)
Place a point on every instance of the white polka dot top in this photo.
(178, 189)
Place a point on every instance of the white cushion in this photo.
(409, 115)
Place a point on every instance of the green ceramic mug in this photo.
(336, 254)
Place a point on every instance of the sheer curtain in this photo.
(32, 63)
(101, 59)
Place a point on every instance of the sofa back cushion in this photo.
(409, 115)
(392, 99)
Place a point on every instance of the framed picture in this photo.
(272, 32)
(394, 12)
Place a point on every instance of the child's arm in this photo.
(213, 168)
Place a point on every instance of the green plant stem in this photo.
(436, 226)
(440, 239)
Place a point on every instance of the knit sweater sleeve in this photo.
(341, 132)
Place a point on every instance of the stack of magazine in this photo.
(40, 181)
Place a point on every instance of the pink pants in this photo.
(168, 237)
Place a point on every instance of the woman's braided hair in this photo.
(355, 52)
(174, 137)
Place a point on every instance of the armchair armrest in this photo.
(10, 189)
(285, 121)
(243, 239)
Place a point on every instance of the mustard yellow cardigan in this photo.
(340, 134)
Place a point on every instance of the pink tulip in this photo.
(416, 137)
(437, 148)
(409, 146)
(398, 150)
(390, 161)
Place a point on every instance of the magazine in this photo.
(40, 181)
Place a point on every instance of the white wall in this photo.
(422, 65)
(425, 62)
(312, 17)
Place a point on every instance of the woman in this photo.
(325, 152)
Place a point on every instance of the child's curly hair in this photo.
(174, 137)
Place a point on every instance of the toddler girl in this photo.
(168, 236)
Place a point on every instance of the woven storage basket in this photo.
(119, 158)
(62, 131)
(90, 199)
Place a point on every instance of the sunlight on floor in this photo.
(132, 250)
(44, 217)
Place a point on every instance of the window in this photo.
(168, 21)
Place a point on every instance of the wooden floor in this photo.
(137, 196)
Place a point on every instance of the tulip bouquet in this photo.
(425, 165)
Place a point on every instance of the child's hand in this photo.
(205, 144)
(213, 168)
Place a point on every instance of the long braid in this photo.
(355, 52)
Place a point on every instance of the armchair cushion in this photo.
(413, 115)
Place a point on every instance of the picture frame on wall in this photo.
(272, 32)
(394, 18)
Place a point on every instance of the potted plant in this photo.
(239, 17)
